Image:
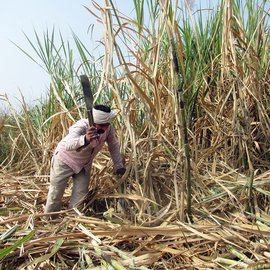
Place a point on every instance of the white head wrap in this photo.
(101, 117)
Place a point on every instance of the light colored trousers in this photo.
(59, 175)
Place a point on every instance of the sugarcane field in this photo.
(183, 178)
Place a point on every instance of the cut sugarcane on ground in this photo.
(193, 95)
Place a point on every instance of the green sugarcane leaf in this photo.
(4, 252)
(58, 243)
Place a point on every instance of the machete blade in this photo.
(88, 97)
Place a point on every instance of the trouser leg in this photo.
(60, 172)
(80, 187)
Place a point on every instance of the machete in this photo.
(88, 97)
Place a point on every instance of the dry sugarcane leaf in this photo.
(58, 243)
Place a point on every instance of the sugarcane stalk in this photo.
(127, 257)
(259, 266)
(180, 92)
(230, 262)
(250, 202)
(240, 255)
(107, 260)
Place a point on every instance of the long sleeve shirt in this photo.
(73, 151)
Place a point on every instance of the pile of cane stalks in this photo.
(192, 91)
(109, 232)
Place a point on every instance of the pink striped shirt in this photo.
(73, 152)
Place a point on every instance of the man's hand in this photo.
(120, 171)
(91, 135)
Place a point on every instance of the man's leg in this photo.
(60, 172)
(80, 187)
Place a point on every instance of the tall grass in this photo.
(223, 57)
(209, 158)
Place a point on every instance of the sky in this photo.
(18, 73)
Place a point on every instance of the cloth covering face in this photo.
(101, 117)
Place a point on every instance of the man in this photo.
(74, 156)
